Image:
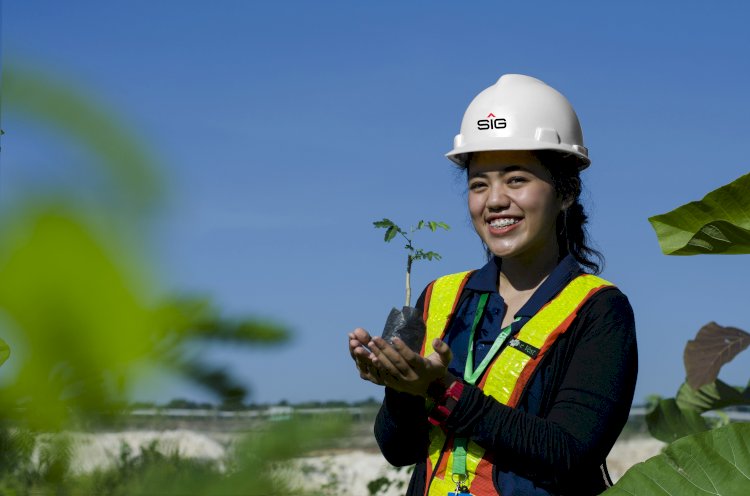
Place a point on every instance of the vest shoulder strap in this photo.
(512, 369)
(440, 304)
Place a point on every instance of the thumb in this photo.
(443, 351)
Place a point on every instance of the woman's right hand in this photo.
(358, 340)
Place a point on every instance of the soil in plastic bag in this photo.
(406, 324)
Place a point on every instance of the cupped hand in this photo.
(358, 341)
(404, 370)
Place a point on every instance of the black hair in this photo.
(572, 235)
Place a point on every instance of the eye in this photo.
(476, 185)
(517, 180)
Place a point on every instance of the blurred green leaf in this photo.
(716, 462)
(668, 422)
(420, 225)
(711, 397)
(718, 224)
(197, 318)
(444, 226)
(4, 351)
(215, 379)
(712, 347)
(78, 307)
(432, 225)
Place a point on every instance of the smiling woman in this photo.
(514, 205)
(528, 367)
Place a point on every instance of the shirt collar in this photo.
(485, 280)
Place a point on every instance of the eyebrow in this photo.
(510, 168)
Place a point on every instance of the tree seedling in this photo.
(407, 324)
(412, 253)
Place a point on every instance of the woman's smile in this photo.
(502, 225)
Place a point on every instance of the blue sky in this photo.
(285, 128)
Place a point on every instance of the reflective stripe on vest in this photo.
(505, 378)
(442, 298)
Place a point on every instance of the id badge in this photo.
(454, 493)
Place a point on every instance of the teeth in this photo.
(503, 222)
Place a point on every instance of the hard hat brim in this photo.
(461, 155)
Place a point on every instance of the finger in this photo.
(356, 345)
(367, 370)
(373, 375)
(361, 335)
(357, 341)
(388, 355)
(413, 359)
(443, 351)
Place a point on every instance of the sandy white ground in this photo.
(344, 472)
(354, 470)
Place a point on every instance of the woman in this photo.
(528, 368)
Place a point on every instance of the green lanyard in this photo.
(471, 375)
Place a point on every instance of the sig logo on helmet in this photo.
(491, 122)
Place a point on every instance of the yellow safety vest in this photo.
(505, 378)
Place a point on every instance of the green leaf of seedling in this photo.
(433, 225)
(420, 225)
(444, 226)
(4, 351)
(431, 255)
(390, 233)
(385, 223)
(426, 255)
(717, 224)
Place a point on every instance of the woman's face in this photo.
(513, 205)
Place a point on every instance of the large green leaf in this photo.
(668, 422)
(711, 397)
(77, 306)
(712, 347)
(719, 223)
(4, 351)
(716, 462)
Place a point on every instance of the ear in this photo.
(571, 194)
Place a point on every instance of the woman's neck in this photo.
(525, 275)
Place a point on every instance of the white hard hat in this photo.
(519, 113)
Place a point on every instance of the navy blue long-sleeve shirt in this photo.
(570, 414)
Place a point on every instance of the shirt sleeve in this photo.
(586, 412)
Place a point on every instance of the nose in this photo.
(498, 199)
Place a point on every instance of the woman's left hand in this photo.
(404, 370)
